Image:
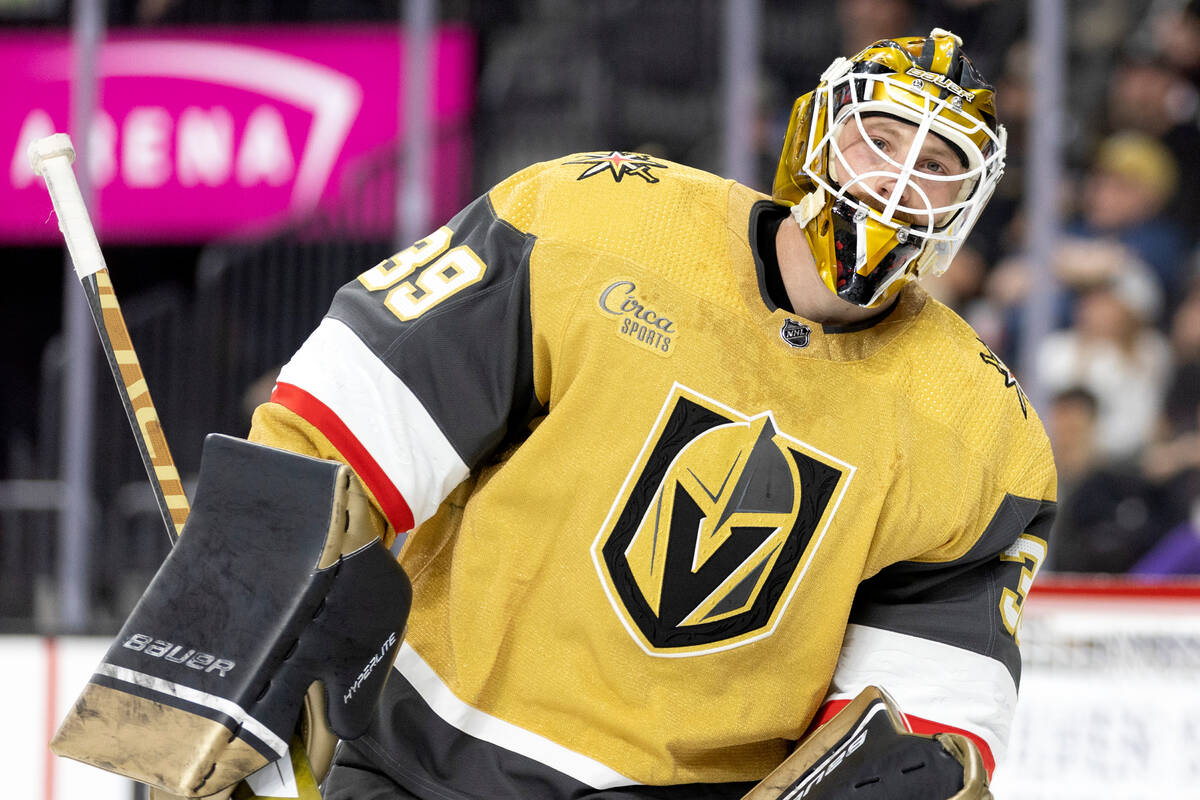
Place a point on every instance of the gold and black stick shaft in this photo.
(135, 397)
(51, 158)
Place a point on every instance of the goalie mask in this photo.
(889, 162)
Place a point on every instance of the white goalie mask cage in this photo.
(893, 190)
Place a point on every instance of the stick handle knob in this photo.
(48, 147)
(51, 158)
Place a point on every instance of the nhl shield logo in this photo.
(714, 528)
(795, 333)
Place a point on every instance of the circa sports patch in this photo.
(714, 528)
(639, 318)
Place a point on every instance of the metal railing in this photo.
(208, 360)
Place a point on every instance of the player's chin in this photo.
(916, 221)
(920, 223)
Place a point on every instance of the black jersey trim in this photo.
(862, 325)
(956, 602)
(469, 360)
(422, 755)
(765, 218)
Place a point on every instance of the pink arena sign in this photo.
(204, 133)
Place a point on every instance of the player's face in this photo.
(874, 151)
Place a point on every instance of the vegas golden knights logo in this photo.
(714, 527)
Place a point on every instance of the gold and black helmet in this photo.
(889, 162)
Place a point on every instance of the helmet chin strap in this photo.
(809, 206)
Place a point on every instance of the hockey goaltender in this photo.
(703, 494)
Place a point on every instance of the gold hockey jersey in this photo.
(658, 523)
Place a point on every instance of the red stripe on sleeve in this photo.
(321, 417)
(916, 725)
(827, 712)
(51, 714)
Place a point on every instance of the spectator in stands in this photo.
(1071, 425)
(1112, 350)
(866, 21)
(1162, 98)
(1119, 228)
(1141, 516)
(1118, 232)
(1173, 462)
(1174, 466)
(1105, 510)
(1183, 397)
(1177, 37)
(998, 232)
(960, 286)
(1114, 513)
(1125, 192)
(1112, 519)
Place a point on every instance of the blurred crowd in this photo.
(1119, 377)
(1120, 374)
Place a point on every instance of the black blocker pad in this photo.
(279, 579)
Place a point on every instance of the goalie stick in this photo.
(51, 158)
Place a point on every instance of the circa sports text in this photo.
(642, 323)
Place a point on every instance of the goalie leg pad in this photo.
(279, 580)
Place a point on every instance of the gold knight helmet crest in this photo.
(707, 541)
(734, 493)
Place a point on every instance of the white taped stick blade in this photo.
(42, 150)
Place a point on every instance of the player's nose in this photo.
(883, 189)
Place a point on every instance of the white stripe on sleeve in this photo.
(383, 414)
(935, 681)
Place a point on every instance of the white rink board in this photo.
(1110, 700)
(1109, 706)
(39, 680)
(1082, 737)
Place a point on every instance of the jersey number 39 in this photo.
(423, 275)
(1028, 551)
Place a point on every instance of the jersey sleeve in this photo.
(942, 637)
(423, 365)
